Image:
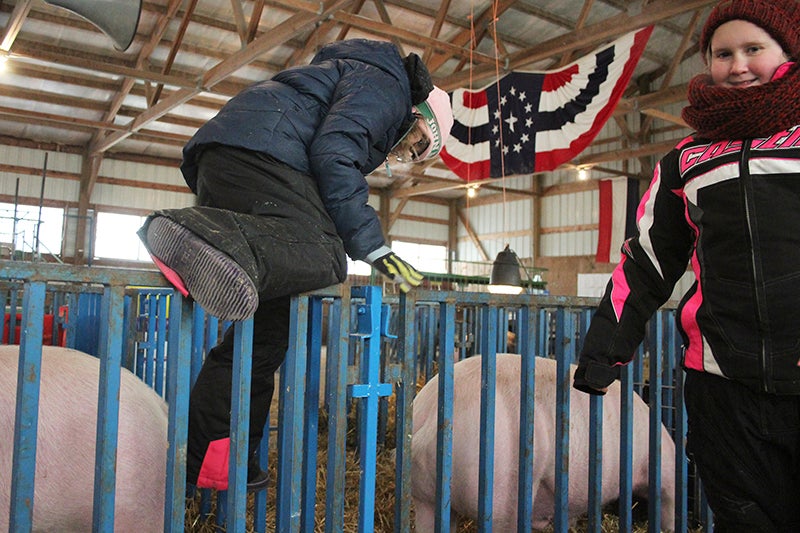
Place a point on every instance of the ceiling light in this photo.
(505, 278)
(583, 173)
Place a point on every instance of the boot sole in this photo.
(211, 277)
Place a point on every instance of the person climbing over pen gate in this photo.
(727, 201)
(279, 175)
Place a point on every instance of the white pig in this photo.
(466, 429)
(65, 450)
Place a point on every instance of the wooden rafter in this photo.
(295, 25)
(278, 34)
(176, 44)
(591, 35)
(473, 236)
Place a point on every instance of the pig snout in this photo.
(65, 449)
(466, 431)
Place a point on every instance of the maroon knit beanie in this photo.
(779, 18)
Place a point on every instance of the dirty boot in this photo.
(199, 270)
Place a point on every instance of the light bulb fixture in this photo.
(505, 278)
(472, 191)
(583, 173)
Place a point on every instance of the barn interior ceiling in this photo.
(67, 86)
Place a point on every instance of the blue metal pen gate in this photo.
(375, 344)
(546, 326)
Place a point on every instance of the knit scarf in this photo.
(719, 113)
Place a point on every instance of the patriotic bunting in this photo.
(534, 121)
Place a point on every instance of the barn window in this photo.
(423, 257)
(25, 233)
(117, 239)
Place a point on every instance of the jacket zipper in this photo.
(747, 189)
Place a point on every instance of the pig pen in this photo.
(379, 349)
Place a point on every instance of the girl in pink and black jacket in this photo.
(726, 201)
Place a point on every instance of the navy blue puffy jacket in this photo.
(335, 119)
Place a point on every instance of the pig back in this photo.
(65, 451)
(466, 435)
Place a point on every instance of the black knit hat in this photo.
(779, 18)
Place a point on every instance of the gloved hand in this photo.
(394, 268)
(594, 377)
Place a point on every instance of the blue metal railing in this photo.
(169, 336)
(551, 327)
(34, 279)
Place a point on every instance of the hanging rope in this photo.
(495, 7)
(473, 42)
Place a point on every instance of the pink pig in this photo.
(466, 427)
(65, 450)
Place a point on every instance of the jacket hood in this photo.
(380, 54)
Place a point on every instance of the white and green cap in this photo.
(437, 115)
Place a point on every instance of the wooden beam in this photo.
(292, 26)
(616, 172)
(592, 35)
(495, 198)
(238, 17)
(462, 216)
(686, 42)
(255, 18)
(445, 184)
(436, 28)
(41, 52)
(671, 95)
(128, 82)
(287, 29)
(396, 214)
(631, 153)
(33, 117)
(384, 30)
(175, 46)
(567, 57)
(383, 13)
(655, 113)
(464, 39)
(14, 24)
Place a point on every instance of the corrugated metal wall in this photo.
(573, 211)
(567, 221)
(30, 182)
(420, 222)
(62, 180)
(137, 197)
(497, 225)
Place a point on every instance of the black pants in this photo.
(746, 446)
(274, 218)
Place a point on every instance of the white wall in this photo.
(594, 285)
